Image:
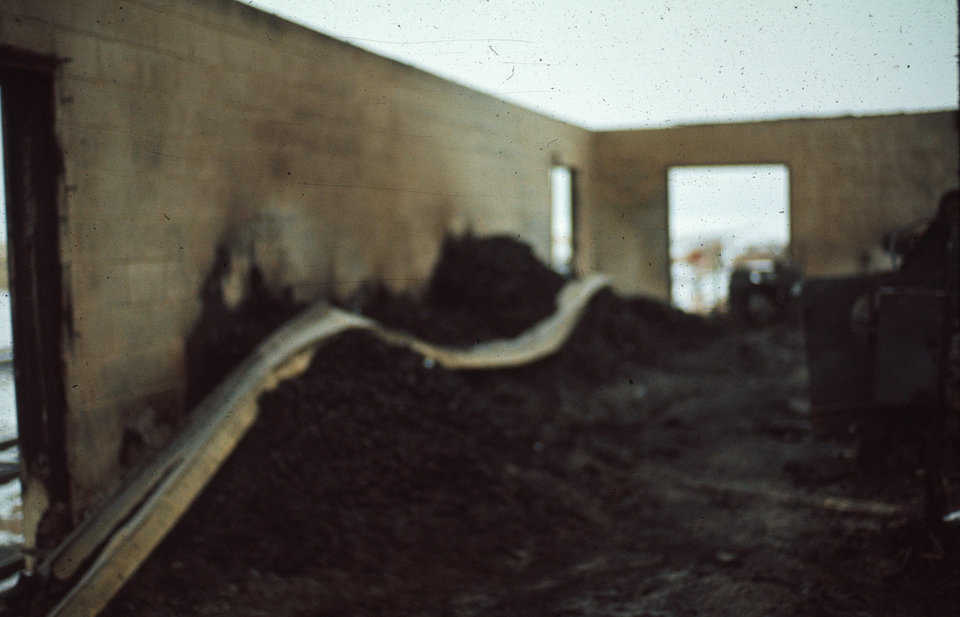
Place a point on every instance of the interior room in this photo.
(497, 308)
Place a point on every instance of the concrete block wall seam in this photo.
(115, 139)
(871, 187)
(47, 11)
(106, 327)
(266, 49)
(97, 464)
(296, 125)
(131, 41)
(124, 374)
(201, 125)
(190, 20)
(127, 373)
(145, 135)
(26, 32)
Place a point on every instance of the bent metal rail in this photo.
(108, 547)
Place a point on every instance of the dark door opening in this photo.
(31, 166)
(11, 500)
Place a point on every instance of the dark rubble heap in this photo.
(593, 482)
(482, 288)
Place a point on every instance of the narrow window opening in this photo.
(561, 219)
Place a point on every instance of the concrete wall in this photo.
(851, 180)
(185, 124)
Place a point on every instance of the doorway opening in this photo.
(11, 502)
(722, 219)
(562, 217)
(34, 318)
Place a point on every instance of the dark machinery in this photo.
(763, 291)
(883, 350)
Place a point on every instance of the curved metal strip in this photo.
(140, 515)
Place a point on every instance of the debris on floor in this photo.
(656, 465)
(484, 287)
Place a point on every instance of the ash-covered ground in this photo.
(658, 465)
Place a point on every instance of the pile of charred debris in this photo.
(659, 464)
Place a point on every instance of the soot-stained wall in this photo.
(186, 125)
(851, 180)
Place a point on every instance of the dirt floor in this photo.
(658, 466)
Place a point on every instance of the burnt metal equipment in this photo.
(763, 291)
(887, 346)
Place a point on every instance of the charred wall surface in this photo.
(195, 132)
(188, 126)
(851, 181)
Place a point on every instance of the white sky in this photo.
(745, 204)
(613, 64)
